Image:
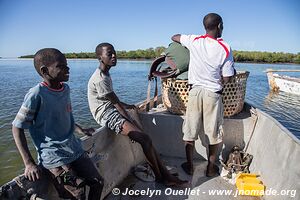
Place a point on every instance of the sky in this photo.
(80, 25)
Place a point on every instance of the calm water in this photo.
(130, 84)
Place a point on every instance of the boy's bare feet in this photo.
(212, 170)
(187, 168)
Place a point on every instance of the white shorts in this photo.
(204, 115)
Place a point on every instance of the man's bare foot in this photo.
(187, 168)
(212, 170)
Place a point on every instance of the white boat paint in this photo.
(283, 83)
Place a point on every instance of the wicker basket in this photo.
(175, 94)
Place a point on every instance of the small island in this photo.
(239, 56)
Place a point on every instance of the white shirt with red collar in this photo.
(209, 60)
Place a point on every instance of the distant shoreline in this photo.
(239, 56)
(151, 59)
(256, 57)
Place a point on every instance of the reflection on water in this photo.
(130, 84)
(284, 106)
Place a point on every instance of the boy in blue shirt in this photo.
(47, 113)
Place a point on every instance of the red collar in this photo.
(219, 40)
(206, 35)
(54, 90)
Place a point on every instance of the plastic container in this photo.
(249, 185)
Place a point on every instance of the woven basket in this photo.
(175, 94)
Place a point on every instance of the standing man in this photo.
(211, 65)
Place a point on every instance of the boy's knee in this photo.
(143, 139)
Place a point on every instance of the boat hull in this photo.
(276, 154)
(284, 83)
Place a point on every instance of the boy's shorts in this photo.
(71, 183)
(113, 120)
(204, 116)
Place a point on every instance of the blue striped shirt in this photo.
(47, 113)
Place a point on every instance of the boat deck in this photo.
(202, 187)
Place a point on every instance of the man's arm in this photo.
(228, 70)
(32, 171)
(176, 38)
(226, 79)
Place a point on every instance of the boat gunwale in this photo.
(288, 78)
(284, 129)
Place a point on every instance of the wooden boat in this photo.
(275, 150)
(283, 83)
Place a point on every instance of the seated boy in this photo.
(47, 113)
(109, 111)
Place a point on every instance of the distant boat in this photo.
(283, 83)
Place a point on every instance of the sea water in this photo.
(130, 84)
